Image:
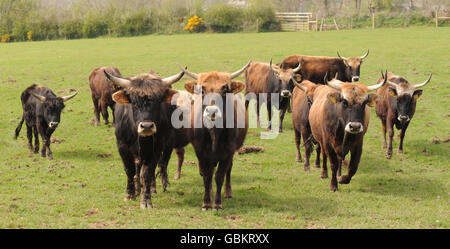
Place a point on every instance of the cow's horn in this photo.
(424, 83)
(65, 98)
(118, 81)
(39, 97)
(191, 74)
(237, 73)
(295, 70)
(299, 85)
(334, 83)
(273, 69)
(174, 78)
(364, 56)
(344, 58)
(375, 87)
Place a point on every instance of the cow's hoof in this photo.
(344, 179)
(206, 206)
(49, 157)
(153, 190)
(317, 166)
(400, 152)
(333, 188)
(129, 197)
(146, 204)
(324, 176)
(299, 160)
(177, 176)
(306, 168)
(388, 156)
(218, 207)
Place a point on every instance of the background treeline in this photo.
(22, 20)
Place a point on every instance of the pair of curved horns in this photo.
(232, 75)
(42, 98)
(414, 86)
(336, 84)
(361, 57)
(124, 83)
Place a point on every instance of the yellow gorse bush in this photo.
(29, 35)
(194, 23)
(6, 38)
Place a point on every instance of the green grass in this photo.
(79, 189)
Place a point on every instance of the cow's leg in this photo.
(228, 192)
(317, 162)
(36, 140)
(383, 125)
(269, 113)
(308, 146)
(30, 138)
(220, 175)
(258, 105)
(353, 166)
(147, 177)
(402, 136)
(137, 175)
(298, 140)
(390, 127)
(180, 154)
(104, 109)
(114, 116)
(48, 152)
(334, 164)
(324, 173)
(96, 111)
(45, 151)
(206, 170)
(163, 163)
(129, 165)
(282, 112)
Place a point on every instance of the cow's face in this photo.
(350, 101)
(406, 96)
(52, 108)
(145, 93)
(353, 66)
(285, 79)
(214, 87)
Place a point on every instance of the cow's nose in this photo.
(354, 127)
(146, 128)
(53, 124)
(355, 78)
(403, 118)
(285, 93)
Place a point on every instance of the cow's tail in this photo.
(19, 127)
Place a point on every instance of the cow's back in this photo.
(256, 77)
(319, 112)
(99, 84)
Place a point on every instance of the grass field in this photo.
(84, 186)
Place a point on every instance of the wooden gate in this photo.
(297, 21)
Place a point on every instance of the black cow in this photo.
(42, 113)
(142, 128)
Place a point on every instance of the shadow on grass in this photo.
(84, 154)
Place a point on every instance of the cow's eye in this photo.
(225, 89)
(344, 103)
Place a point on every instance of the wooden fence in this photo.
(297, 21)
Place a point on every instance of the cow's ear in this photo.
(392, 92)
(334, 97)
(190, 86)
(170, 93)
(237, 86)
(120, 97)
(417, 94)
(345, 62)
(372, 99)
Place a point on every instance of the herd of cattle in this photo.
(330, 110)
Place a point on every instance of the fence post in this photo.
(335, 24)
(437, 21)
(317, 21)
(307, 21)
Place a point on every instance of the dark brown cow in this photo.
(216, 133)
(102, 91)
(339, 118)
(396, 106)
(143, 128)
(302, 99)
(265, 78)
(314, 68)
(41, 113)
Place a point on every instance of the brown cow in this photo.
(265, 78)
(102, 91)
(397, 106)
(339, 118)
(302, 99)
(314, 68)
(216, 132)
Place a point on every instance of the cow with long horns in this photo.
(218, 128)
(339, 118)
(143, 124)
(264, 79)
(42, 114)
(314, 68)
(397, 106)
